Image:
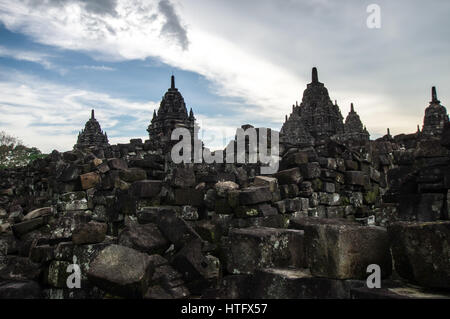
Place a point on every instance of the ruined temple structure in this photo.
(316, 114)
(435, 117)
(92, 135)
(172, 114)
(354, 127)
(338, 203)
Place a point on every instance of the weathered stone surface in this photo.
(117, 163)
(18, 268)
(254, 195)
(44, 211)
(196, 266)
(90, 233)
(145, 238)
(189, 196)
(289, 176)
(89, 180)
(396, 292)
(56, 274)
(20, 290)
(223, 187)
(343, 251)
(133, 174)
(310, 170)
(266, 181)
(421, 252)
(284, 283)
(146, 188)
(174, 228)
(356, 178)
(184, 177)
(121, 271)
(22, 228)
(254, 248)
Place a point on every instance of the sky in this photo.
(235, 62)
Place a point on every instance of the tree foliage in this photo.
(13, 153)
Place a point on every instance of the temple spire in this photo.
(92, 114)
(388, 132)
(315, 77)
(172, 82)
(351, 108)
(434, 98)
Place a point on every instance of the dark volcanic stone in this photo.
(254, 195)
(145, 238)
(90, 233)
(290, 176)
(20, 290)
(344, 251)
(121, 271)
(146, 188)
(421, 252)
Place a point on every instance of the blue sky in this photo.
(235, 62)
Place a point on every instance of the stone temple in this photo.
(172, 114)
(317, 118)
(435, 116)
(92, 135)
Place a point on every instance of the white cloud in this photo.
(49, 116)
(96, 67)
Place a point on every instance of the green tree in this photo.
(13, 153)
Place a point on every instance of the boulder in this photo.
(249, 249)
(199, 269)
(183, 177)
(89, 180)
(289, 176)
(44, 211)
(90, 233)
(20, 290)
(131, 175)
(254, 195)
(342, 250)
(146, 188)
(223, 187)
(144, 238)
(421, 252)
(121, 271)
(117, 163)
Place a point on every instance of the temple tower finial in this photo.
(92, 114)
(352, 108)
(172, 82)
(388, 132)
(315, 77)
(434, 95)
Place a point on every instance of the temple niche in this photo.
(92, 135)
(435, 117)
(172, 114)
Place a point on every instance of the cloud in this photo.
(49, 116)
(172, 26)
(30, 56)
(96, 67)
(97, 6)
